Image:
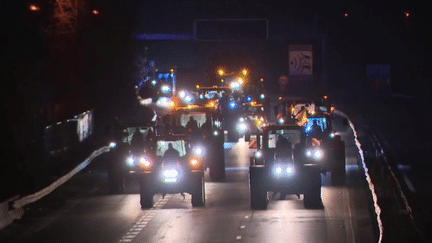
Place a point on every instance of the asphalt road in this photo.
(92, 215)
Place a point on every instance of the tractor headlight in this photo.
(316, 154)
(215, 133)
(112, 145)
(165, 89)
(332, 135)
(145, 162)
(199, 151)
(130, 161)
(170, 173)
(258, 154)
(194, 162)
(283, 171)
(242, 127)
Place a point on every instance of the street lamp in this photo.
(34, 8)
(245, 72)
(221, 72)
(95, 12)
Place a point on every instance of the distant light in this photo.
(262, 96)
(197, 86)
(221, 72)
(182, 94)
(235, 85)
(95, 12)
(240, 80)
(262, 79)
(346, 14)
(245, 72)
(34, 8)
(248, 98)
(407, 14)
(280, 97)
(233, 105)
(165, 89)
(188, 99)
(153, 82)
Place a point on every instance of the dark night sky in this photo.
(381, 26)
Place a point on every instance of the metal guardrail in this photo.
(13, 208)
(368, 177)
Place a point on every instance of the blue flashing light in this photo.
(248, 98)
(233, 105)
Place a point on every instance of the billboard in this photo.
(301, 61)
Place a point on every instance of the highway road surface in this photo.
(96, 216)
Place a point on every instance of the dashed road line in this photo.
(144, 220)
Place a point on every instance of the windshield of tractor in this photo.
(293, 136)
(200, 117)
(162, 146)
(130, 131)
(321, 122)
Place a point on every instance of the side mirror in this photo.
(247, 137)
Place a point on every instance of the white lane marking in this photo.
(246, 217)
(238, 237)
(144, 220)
(348, 222)
(243, 226)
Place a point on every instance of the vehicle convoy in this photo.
(202, 125)
(136, 138)
(169, 169)
(323, 146)
(251, 119)
(279, 167)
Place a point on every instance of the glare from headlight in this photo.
(130, 161)
(112, 145)
(258, 154)
(145, 162)
(182, 94)
(308, 153)
(165, 89)
(170, 173)
(241, 119)
(332, 135)
(289, 170)
(278, 170)
(318, 154)
(198, 151)
(215, 133)
(242, 127)
(194, 162)
(262, 96)
(281, 120)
